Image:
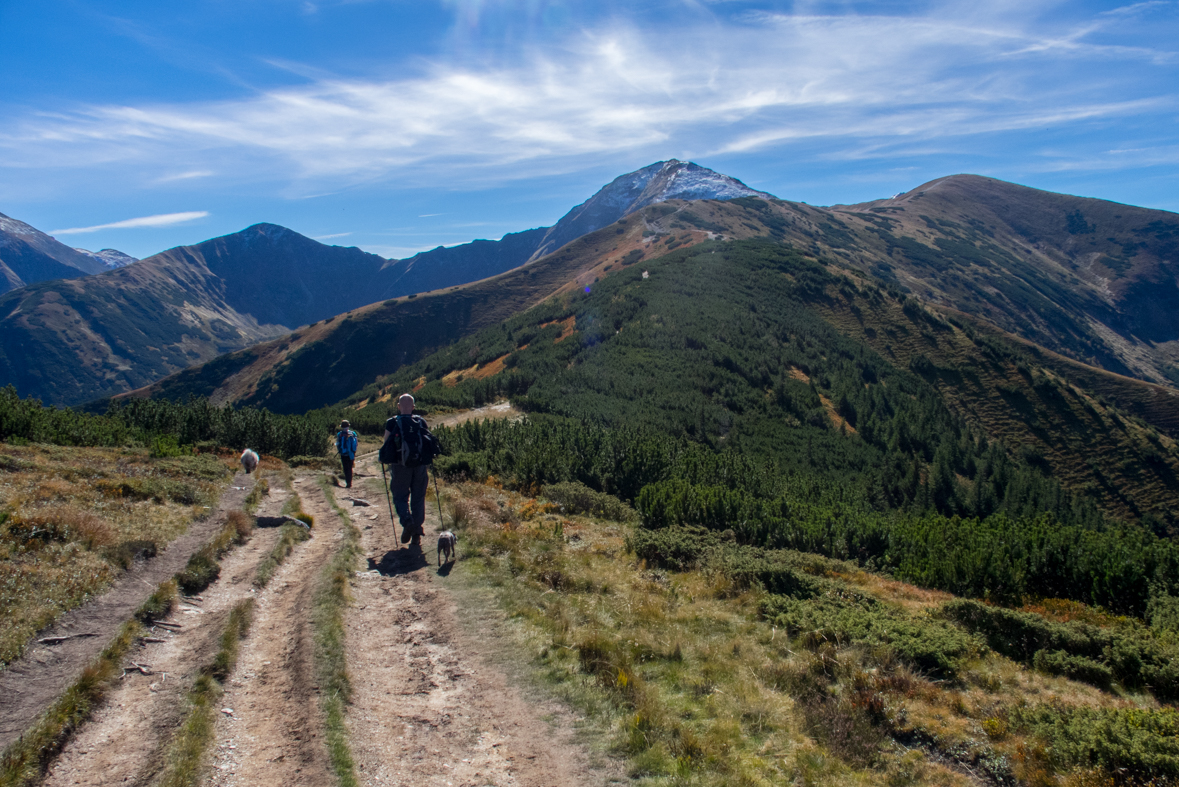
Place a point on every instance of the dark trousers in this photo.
(347, 462)
(408, 486)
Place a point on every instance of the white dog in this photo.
(249, 461)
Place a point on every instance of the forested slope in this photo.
(720, 390)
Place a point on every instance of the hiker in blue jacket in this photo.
(346, 442)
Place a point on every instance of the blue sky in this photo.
(400, 125)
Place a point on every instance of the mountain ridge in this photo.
(950, 264)
(28, 256)
(254, 285)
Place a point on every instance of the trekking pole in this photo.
(389, 498)
(438, 498)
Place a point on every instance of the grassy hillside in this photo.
(752, 347)
(721, 664)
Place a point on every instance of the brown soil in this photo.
(30, 684)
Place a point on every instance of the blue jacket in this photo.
(346, 443)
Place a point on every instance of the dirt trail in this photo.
(428, 707)
(124, 741)
(274, 735)
(30, 684)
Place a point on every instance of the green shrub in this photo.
(201, 571)
(1059, 662)
(575, 497)
(934, 646)
(1128, 652)
(1019, 635)
(462, 466)
(166, 445)
(1134, 742)
(676, 548)
(1163, 613)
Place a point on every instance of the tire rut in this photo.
(274, 735)
(125, 740)
(33, 682)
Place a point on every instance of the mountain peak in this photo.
(658, 182)
(28, 255)
(111, 258)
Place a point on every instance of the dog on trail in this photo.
(249, 461)
(447, 545)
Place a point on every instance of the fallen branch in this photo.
(56, 640)
(143, 668)
(152, 639)
(174, 626)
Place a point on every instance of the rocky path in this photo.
(273, 736)
(125, 740)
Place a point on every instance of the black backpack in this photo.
(410, 442)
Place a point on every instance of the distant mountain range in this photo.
(68, 340)
(1091, 280)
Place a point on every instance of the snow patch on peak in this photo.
(14, 227)
(111, 258)
(627, 193)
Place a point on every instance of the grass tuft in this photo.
(288, 537)
(203, 567)
(254, 498)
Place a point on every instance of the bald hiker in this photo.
(346, 442)
(409, 450)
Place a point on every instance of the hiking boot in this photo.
(405, 536)
(417, 541)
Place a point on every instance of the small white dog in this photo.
(249, 461)
(447, 545)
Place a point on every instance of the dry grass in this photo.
(695, 688)
(71, 519)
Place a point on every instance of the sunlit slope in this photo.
(71, 341)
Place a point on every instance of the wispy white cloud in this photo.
(190, 175)
(764, 81)
(333, 235)
(159, 220)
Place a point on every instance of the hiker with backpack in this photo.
(409, 449)
(346, 442)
